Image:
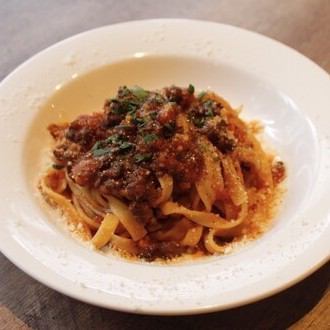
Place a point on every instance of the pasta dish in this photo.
(161, 174)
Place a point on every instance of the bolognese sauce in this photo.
(183, 167)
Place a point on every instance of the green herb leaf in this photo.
(126, 146)
(208, 106)
(149, 138)
(139, 93)
(113, 139)
(209, 113)
(124, 106)
(97, 145)
(101, 152)
(198, 121)
(140, 121)
(201, 94)
(191, 89)
(139, 158)
(101, 148)
(158, 98)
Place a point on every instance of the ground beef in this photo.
(220, 136)
(85, 171)
(182, 97)
(67, 152)
(142, 211)
(57, 130)
(151, 250)
(124, 150)
(86, 130)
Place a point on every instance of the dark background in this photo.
(26, 27)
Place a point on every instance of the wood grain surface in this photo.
(27, 27)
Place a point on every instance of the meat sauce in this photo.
(137, 139)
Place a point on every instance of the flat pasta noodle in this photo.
(90, 209)
(211, 184)
(82, 213)
(99, 199)
(252, 151)
(105, 231)
(166, 184)
(183, 122)
(126, 217)
(96, 208)
(85, 198)
(124, 244)
(264, 169)
(176, 233)
(233, 182)
(240, 221)
(195, 199)
(193, 236)
(206, 219)
(211, 245)
(65, 205)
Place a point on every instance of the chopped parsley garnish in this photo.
(140, 93)
(125, 145)
(124, 106)
(139, 121)
(111, 139)
(201, 94)
(208, 104)
(97, 145)
(139, 158)
(117, 142)
(200, 116)
(191, 89)
(149, 138)
(209, 113)
(198, 121)
(101, 152)
(158, 99)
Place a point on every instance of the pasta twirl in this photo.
(161, 174)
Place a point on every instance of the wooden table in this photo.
(27, 27)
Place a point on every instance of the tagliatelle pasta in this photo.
(105, 231)
(160, 174)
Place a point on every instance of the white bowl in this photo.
(283, 89)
